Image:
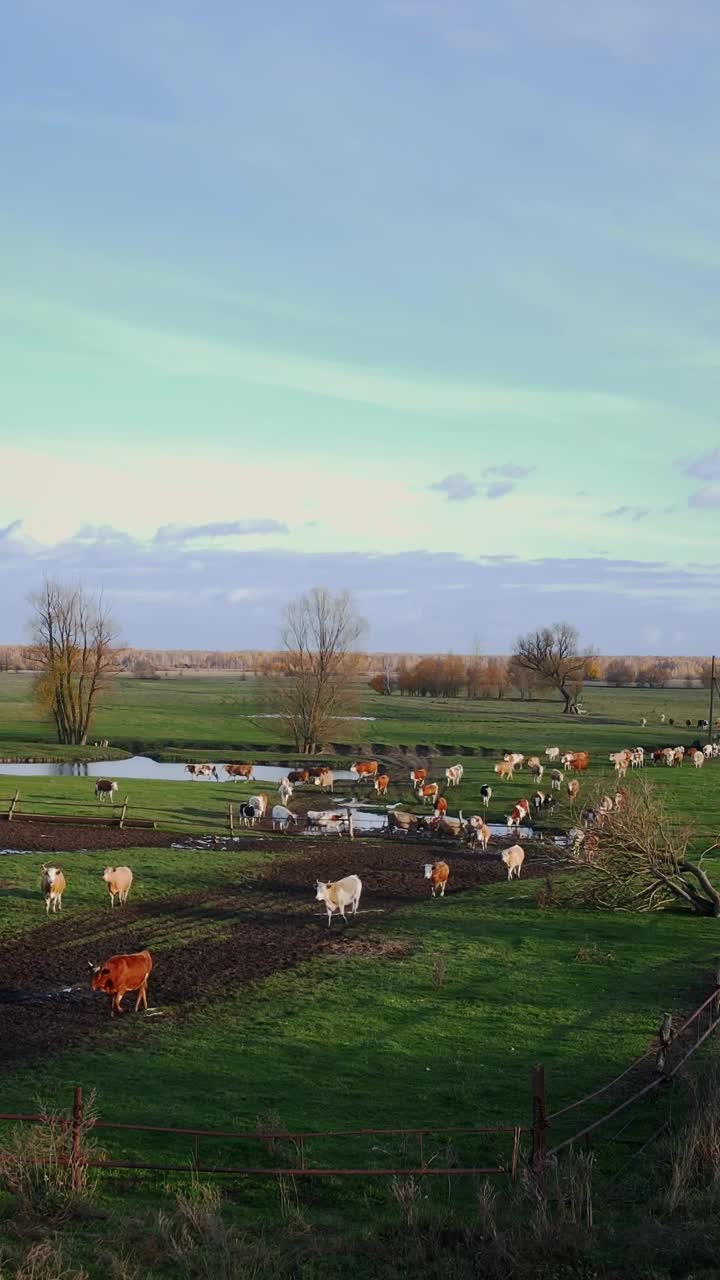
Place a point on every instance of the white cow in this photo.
(285, 790)
(513, 859)
(53, 888)
(454, 775)
(260, 804)
(552, 753)
(326, 820)
(338, 895)
(119, 881)
(281, 817)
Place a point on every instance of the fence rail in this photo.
(102, 819)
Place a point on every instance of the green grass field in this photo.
(368, 1038)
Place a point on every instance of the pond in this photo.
(144, 768)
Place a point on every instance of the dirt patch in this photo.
(244, 931)
(63, 836)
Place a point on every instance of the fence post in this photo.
(13, 805)
(124, 811)
(76, 1154)
(351, 829)
(230, 819)
(665, 1034)
(716, 1001)
(539, 1125)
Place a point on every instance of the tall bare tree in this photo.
(74, 653)
(319, 634)
(553, 653)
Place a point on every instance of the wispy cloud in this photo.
(629, 513)
(706, 466)
(457, 487)
(179, 533)
(499, 489)
(509, 470)
(707, 497)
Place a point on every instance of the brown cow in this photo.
(417, 777)
(438, 874)
(244, 771)
(298, 776)
(120, 974)
(429, 793)
(366, 770)
(382, 783)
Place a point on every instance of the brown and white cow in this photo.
(520, 814)
(366, 770)
(53, 888)
(505, 769)
(454, 775)
(417, 777)
(203, 771)
(573, 789)
(438, 873)
(105, 788)
(120, 974)
(382, 782)
(429, 793)
(298, 776)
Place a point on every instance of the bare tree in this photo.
(73, 652)
(639, 858)
(319, 633)
(552, 653)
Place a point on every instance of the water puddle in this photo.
(143, 767)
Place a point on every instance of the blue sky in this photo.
(415, 298)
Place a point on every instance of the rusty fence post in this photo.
(539, 1120)
(665, 1035)
(76, 1153)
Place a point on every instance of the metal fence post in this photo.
(539, 1124)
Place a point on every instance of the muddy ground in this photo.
(247, 929)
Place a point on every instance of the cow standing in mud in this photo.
(120, 974)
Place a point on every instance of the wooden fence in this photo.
(16, 809)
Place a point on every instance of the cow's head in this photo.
(428, 870)
(108, 872)
(320, 887)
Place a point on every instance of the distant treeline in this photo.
(492, 676)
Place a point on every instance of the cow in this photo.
(513, 859)
(643, 722)
(382, 783)
(326, 781)
(205, 770)
(244, 771)
(53, 888)
(703, 724)
(698, 759)
(315, 771)
(119, 881)
(537, 800)
(285, 790)
(620, 797)
(260, 803)
(120, 974)
(573, 789)
(445, 826)
(580, 761)
(440, 809)
(567, 759)
(637, 758)
(104, 788)
(532, 760)
(679, 756)
(486, 796)
(454, 775)
(549, 802)
(478, 832)
(662, 718)
(708, 751)
(504, 769)
(399, 821)
(552, 753)
(298, 776)
(556, 778)
(520, 814)
(438, 874)
(621, 761)
(326, 820)
(248, 814)
(281, 817)
(429, 793)
(537, 770)
(515, 758)
(417, 777)
(339, 894)
(366, 770)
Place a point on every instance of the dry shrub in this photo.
(438, 968)
(593, 954)
(408, 1194)
(200, 1246)
(36, 1165)
(695, 1152)
(44, 1261)
(545, 895)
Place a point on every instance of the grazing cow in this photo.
(679, 756)
(429, 793)
(520, 814)
(621, 761)
(281, 817)
(438, 874)
(567, 759)
(643, 722)
(285, 790)
(703, 724)
(326, 781)
(314, 772)
(532, 760)
(366, 770)
(556, 777)
(53, 888)
(621, 797)
(505, 769)
(549, 802)
(580, 761)
(338, 895)
(537, 770)
(573, 789)
(398, 821)
(637, 758)
(248, 815)
(513, 859)
(698, 759)
(120, 974)
(708, 751)
(119, 881)
(486, 796)
(478, 832)
(454, 775)
(417, 777)
(203, 771)
(105, 788)
(537, 800)
(244, 771)
(552, 753)
(441, 805)
(260, 803)
(298, 776)
(382, 783)
(515, 758)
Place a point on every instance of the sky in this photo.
(417, 298)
